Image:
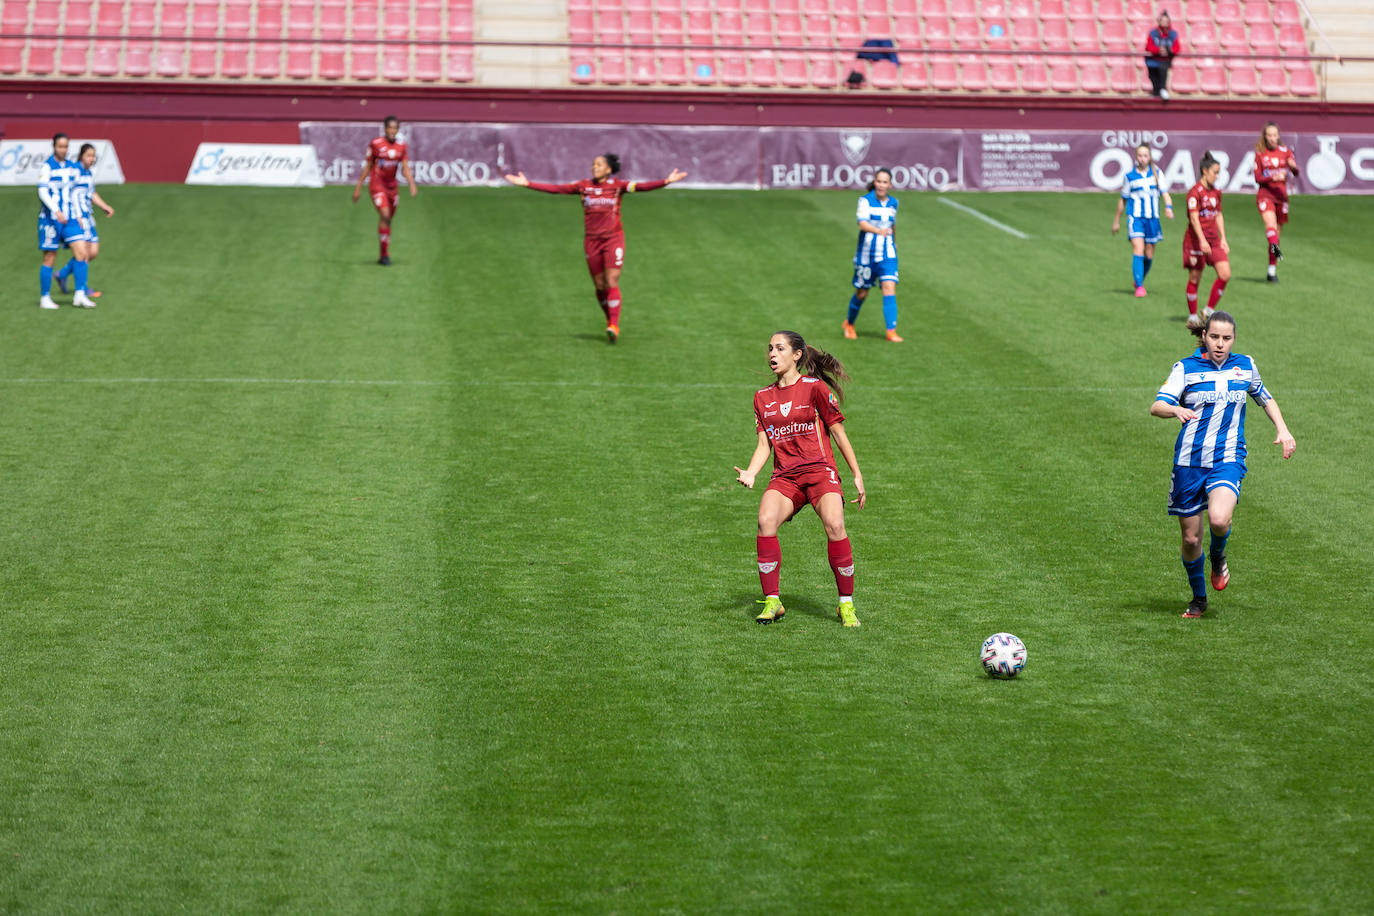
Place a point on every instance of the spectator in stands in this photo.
(1162, 45)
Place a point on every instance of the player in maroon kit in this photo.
(384, 155)
(1273, 162)
(605, 235)
(796, 419)
(1205, 241)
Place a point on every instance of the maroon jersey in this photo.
(385, 158)
(1206, 203)
(1271, 171)
(797, 420)
(600, 201)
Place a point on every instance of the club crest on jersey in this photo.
(786, 408)
(855, 145)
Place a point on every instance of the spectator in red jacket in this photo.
(1162, 45)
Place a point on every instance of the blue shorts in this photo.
(1189, 487)
(52, 235)
(1144, 227)
(88, 233)
(866, 275)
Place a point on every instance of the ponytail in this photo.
(818, 363)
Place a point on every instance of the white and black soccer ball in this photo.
(1003, 655)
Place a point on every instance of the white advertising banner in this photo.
(257, 164)
(20, 160)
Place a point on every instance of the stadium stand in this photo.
(1234, 47)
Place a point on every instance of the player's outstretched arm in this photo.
(674, 176)
(1284, 437)
(756, 462)
(519, 180)
(842, 441)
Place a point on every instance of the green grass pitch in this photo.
(333, 588)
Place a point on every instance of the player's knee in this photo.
(1192, 541)
(834, 531)
(768, 526)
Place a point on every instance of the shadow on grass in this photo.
(1169, 607)
(746, 605)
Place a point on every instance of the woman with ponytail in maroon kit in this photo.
(605, 235)
(795, 419)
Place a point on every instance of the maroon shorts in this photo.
(1195, 259)
(1267, 201)
(807, 486)
(384, 197)
(605, 252)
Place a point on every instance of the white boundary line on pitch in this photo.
(568, 383)
(984, 217)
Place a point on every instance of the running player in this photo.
(84, 201)
(604, 243)
(1143, 188)
(795, 419)
(1205, 241)
(56, 223)
(384, 155)
(875, 256)
(1273, 162)
(1207, 392)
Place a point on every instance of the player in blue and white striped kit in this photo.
(875, 258)
(1208, 391)
(57, 223)
(84, 201)
(1142, 187)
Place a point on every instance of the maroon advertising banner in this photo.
(781, 157)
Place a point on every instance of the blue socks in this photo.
(1219, 544)
(45, 280)
(1148, 262)
(855, 303)
(1196, 578)
(1138, 269)
(79, 271)
(67, 269)
(890, 311)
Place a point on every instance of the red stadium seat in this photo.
(11, 55)
(1082, 9)
(639, 26)
(877, 27)
(700, 30)
(205, 20)
(884, 74)
(1141, 10)
(300, 61)
(944, 72)
(1034, 76)
(672, 68)
(730, 29)
(763, 69)
(1083, 35)
(758, 29)
(1020, 9)
(703, 69)
(1258, 11)
(668, 29)
(784, 6)
(788, 28)
(42, 56)
(1292, 39)
(1211, 77)
(1025, 34)
(757, 6)
(109, 18)
(902, 7)
(76, 18)
(1273, 78)
(175, 18)
(824, 73)
(238, 20)
(1115, 36)
(934, 8)
(1199, 11)
(610, 27)
(46, 17)
(583, 69)
(973, 73)
(1263, 39)
(1203, 39)
(1302, 81)
(997, 35)
(15, 18)
(612, 67)
(965, 8)
(1125, 75)
(460, 69)
(1226, 11)
(1092, 74)
(362, 61)
(1054, 34)
(915, 74)
(1111, 9)
(1002, 74)
(1232, 38)
(817, 29)
(845, 7)
(138, 58)
(270, 21)
(1063, 75)
(73, 56)
(1286, 12)
(105, 57)
(428, 63)
(968, 34)
(849, 33)
(202, 61)
(733, 71)
(643, 71)
(460, 24)
(938, 35)
(429, 24)
(1243, 79)
(793, 69)
(142, 19)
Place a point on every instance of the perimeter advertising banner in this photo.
(787, 157)
(255, 165)
(20, 160)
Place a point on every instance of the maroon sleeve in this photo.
(547, 188)
(826, 404)
(646, 185)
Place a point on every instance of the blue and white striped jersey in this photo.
(1217, 396)
(56, 184)
(83, 189)
(874, 248)
(1142, 190)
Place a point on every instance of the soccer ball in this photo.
(1003, 655)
